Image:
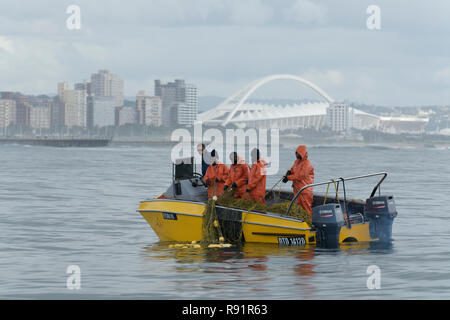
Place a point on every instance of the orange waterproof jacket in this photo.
(219, 172)
(239, 174)
(257, 180)
(303, 174)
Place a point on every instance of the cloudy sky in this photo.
(221, 45)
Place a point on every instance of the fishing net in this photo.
(220, 230)
(211, 231)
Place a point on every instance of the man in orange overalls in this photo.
(302, 174)
(238, 175)
(215, 176)
(256, 187)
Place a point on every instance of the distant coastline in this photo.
(63, 142)
(367, 139)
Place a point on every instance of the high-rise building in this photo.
(339, 117)
(153, 111)
(40, 112)
(125, 115)
(100, 111)
(106, 84)
(22, 111)
(179, 102)
(62, 86)
(75, 108)
(187, 111)
(22, 107)
(7, 112)
(140, 107)
(40, 117)
(86, 86)
(57, 111)
(148, 109)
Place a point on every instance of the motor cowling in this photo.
(328, 220)
(381, 211)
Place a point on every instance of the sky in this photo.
(222, 45)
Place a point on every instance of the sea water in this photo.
(63, 207)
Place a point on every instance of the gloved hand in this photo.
(225, 188)
(234, 185)
(285, 179)
(208, 183)
(288, 173)
(216, 180)
(247, 190)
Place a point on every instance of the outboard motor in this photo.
(328, 220)
(381, 212)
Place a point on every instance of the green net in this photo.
(219, 231)
(211, 231)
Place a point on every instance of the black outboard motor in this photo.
(381, 212)
(328, 220)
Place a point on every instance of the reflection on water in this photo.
(250, 265)
(257, 267)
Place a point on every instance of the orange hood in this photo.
(301, 150)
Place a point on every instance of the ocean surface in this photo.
(77, 206)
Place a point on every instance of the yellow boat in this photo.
(178, 215)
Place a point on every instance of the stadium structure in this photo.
(236, 111)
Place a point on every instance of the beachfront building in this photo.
(179, 102)
(100, 111)
(75, 108)
(339, 117)
(107, 84)
(7, 112)
(149, 109)
(40, 117)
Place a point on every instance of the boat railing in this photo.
(337, 181)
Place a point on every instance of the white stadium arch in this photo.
(249, 90)
(224, 112)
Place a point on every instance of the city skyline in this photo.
(222, 45)
(99, 103)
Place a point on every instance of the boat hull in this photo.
(181, 221)
(174, 220)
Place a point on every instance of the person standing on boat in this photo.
(302, 174)
(206, 157)
(215, 176)
(256, 187)
(238, 175)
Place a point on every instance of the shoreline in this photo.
(159, 141)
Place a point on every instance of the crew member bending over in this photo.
(238, 175)
(215, 176)
(302, 174)
(257, 180)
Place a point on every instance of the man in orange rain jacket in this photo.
(257, 180)
(215, 176)
(238, 175)
(301, 174)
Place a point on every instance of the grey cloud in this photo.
(222, 45)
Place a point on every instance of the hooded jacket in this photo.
(219, 172)
(302, 175)
(257, 180)
(238, 174)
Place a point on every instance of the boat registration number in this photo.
(292, 241)
(169, 216)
